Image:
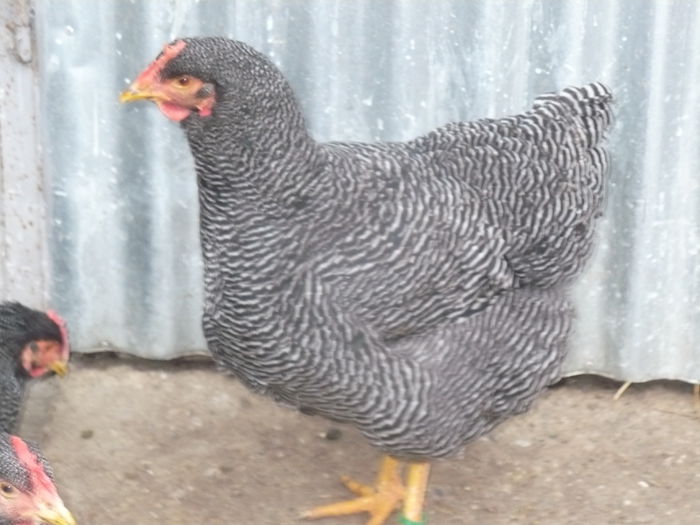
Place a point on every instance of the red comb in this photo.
(150, 74)
(37, 475)
(65, 349)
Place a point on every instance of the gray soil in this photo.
(137, 442)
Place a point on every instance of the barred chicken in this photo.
(417, 290)
(32, 344)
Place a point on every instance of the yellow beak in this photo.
(58, 515)
(60, 368)
(133, 93)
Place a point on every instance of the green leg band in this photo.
(403, 520)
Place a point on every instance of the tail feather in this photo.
(590, 104)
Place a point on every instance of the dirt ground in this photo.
(137, 442)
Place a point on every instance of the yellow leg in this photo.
(379, 501)
(416, 486)
(696, 393)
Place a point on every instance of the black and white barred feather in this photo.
(13, 471)
(417, 289)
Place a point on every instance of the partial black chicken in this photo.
(416, 289)
(32, 344)
(28, 495)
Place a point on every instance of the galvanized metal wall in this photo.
(124, 254)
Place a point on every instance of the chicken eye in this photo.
(7, 490)
(183, 81)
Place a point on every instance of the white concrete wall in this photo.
(23, 214)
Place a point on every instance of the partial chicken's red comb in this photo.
(65, 349)
(150, 74)
(37, 475)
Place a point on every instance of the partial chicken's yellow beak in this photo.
(56, 515)
(134, 93)
(60, 368)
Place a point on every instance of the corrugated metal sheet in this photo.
(123, 233)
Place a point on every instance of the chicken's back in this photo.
(433, 230)
(540, 174)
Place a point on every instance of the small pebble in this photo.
(333, 434)
(87, 434)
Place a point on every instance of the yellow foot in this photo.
(379, 502)
(385, 498)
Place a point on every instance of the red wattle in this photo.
(173, 111)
